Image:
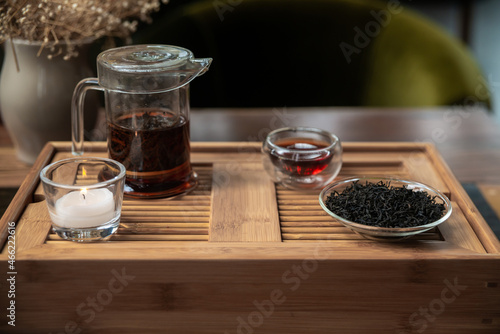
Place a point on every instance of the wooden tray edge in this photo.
(475, 219)
(24, 195)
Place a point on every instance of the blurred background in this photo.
(474, 24)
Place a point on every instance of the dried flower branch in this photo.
(61, 24)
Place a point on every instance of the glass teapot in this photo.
(147, 114)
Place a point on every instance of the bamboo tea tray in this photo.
(241, 255)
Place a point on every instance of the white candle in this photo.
(84, 208)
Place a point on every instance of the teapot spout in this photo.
(193, 69)
(203, 64)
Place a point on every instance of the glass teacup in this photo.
(302, 157)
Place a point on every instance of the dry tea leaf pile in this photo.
(383, 205)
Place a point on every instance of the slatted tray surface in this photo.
(238, 242)
(187, 218)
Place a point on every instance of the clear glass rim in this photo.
(120, 167)
(387, 230)
(173, 57)
(335, 140)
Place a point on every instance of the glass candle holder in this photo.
(301, 157)
(84, 197)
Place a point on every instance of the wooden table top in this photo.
(469, 140)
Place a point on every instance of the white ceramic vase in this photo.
(35, 102)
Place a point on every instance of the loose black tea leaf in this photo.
(383, 205)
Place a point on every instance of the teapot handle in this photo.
(77, 103)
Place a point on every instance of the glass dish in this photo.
(385, 233)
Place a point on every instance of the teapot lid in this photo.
(148, 68)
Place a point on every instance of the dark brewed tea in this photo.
(308, 164)
(153, 145)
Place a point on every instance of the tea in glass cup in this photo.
(302, 157)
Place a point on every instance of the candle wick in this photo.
(83, 196)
